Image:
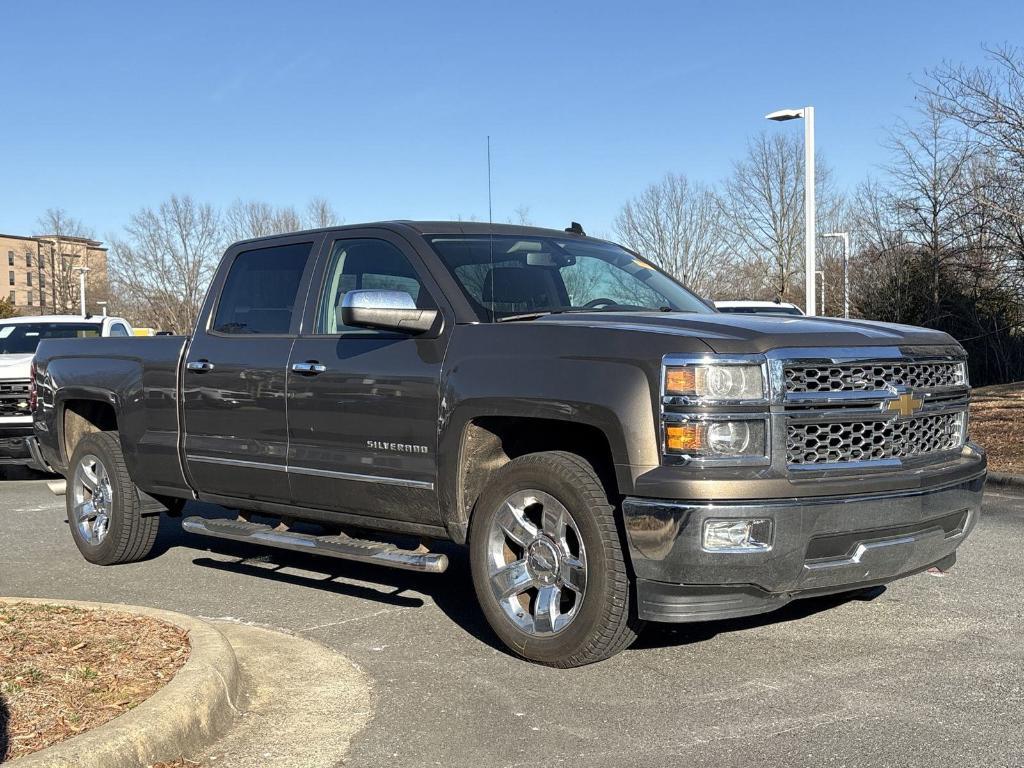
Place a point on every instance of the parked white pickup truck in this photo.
(19, 337)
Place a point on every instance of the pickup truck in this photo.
(609, 447)
(19, 337)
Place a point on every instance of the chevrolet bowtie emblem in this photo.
(905, 405)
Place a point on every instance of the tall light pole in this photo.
(845, 237)
(81, 286)
(807, 113)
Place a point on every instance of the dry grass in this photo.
(64, 670)
(997, 423)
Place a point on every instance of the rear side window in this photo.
(118, 330)
(261, 290)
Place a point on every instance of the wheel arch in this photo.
(488, 442)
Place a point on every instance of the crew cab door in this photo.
(236, 431)
(363, 422)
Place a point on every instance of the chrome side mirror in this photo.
(386, 311)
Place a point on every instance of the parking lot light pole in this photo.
(81, 286)
(807, 113)
(845, 237)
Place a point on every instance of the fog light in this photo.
(737, 535)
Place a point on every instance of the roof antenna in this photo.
(490, 227)
(490, 214)
(576, 228)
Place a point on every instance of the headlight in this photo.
(716, 383)
(731, 440)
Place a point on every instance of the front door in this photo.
(363, 423)
(236, 434)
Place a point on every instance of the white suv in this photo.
(19, 337)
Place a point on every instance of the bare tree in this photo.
(246, 219)
(162, 266)
(678, 225)
(930, 194)
(987, 100)
(763, 201)
(62, 250)
(320, 213)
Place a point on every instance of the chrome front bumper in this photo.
(820, 546)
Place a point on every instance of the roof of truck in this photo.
(435, 228)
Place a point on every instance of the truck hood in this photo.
(738, 334)
(15, 366)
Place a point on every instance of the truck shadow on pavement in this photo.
(5, 737)
(451, 591)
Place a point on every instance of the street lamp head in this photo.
(785, 114)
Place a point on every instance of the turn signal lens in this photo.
(684, 438)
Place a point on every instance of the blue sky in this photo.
(384, 107)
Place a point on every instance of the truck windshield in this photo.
(23, 338)
(512, 276)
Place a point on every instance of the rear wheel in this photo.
(547, 562)
(105, 510)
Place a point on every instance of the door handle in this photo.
(200, 366)
(310, 367)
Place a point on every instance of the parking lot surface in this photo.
(930, 673)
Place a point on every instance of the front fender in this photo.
(602, 379)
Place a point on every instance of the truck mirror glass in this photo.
(386, 311)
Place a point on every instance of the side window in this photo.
(261, 290)
(118, 330)
(365, 264)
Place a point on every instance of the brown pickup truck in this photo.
(611, 449)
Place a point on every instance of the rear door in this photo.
(236, 434)
(363, 427)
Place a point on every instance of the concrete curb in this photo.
(189, 712)
(1006, 480)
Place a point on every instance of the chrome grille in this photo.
(14, 398)
(865, 377)
(834, 442)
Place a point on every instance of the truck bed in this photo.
(143, 372)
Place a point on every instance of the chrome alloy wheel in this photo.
(537, 562)
(92, 498)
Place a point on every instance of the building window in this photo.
(29, 276)
(10, 297)
(30, 300)
(42, 282)
(28, 259)
(10, 276)
(10, 258)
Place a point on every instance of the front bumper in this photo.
(820, 546)
(14, 444)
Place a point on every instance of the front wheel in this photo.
(547, 562)
(105, 510)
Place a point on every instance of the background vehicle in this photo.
(758, 307)
(19, 337)
(610, 448)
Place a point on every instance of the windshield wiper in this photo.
(573, 310)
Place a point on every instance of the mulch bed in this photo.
(64, 670)
(997, 424)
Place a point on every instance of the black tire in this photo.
(131, 530)
(605, 623)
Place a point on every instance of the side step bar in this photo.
(342, 547)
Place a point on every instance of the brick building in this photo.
(43, 273)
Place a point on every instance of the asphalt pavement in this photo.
(930, 673)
